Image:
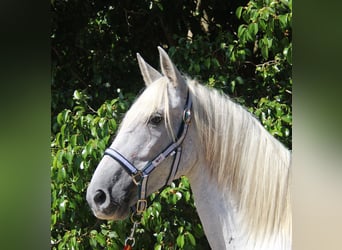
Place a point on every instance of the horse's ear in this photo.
(169, 69)
(148, 72)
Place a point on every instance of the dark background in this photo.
(25, 76)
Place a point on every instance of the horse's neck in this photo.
(216, 211)
(220, 218)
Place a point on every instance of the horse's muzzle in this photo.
(105, 207)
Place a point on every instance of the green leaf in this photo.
(187, 196)
(157, 247)
(241, 30)
(180, 240)
(61, 174)
(242, 33)
(93, 242)
(73, 140)
(191, 239)
(253, 29)
(66, 114)
(100, 239)
(197, 68)
(215, 62)
(239, 80)
(63, 132)
(59, 140)
(239, 11)
(102, 121)
(77, 95)
(262, 24)
(207, 63)
(264, 52)
(62, 206)
(254, 15)
(69, 156)
(93, 131)
(264, 13)
(288, 54)
(269, 42)
(160, 237)
(287, 118)
(60, 118)
(283, 20)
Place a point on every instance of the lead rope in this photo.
(130, 240)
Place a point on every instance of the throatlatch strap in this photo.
(174, 167)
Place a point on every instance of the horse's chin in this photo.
(119, 214)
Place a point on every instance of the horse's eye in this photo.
(156, 119)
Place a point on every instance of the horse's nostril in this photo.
(100, 197)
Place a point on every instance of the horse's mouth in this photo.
(112, 213)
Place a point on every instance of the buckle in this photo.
(137, 178)
(187, 116)
(141, 206)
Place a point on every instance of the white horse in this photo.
(239, 173)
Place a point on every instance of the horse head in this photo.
(145, 155)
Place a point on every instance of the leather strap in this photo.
(140, 177)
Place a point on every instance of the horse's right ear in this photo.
(147, 71)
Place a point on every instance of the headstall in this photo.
(140, 177)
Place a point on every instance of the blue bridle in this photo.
(140, 177)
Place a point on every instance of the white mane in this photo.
(245, 158)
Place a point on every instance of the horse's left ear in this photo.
(148, 72)
(169, 69)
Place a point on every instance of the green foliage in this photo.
(252, 64)
(76, 149)
(82, 136)
(242, 48)
(267, 35)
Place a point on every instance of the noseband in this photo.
(140, 177)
